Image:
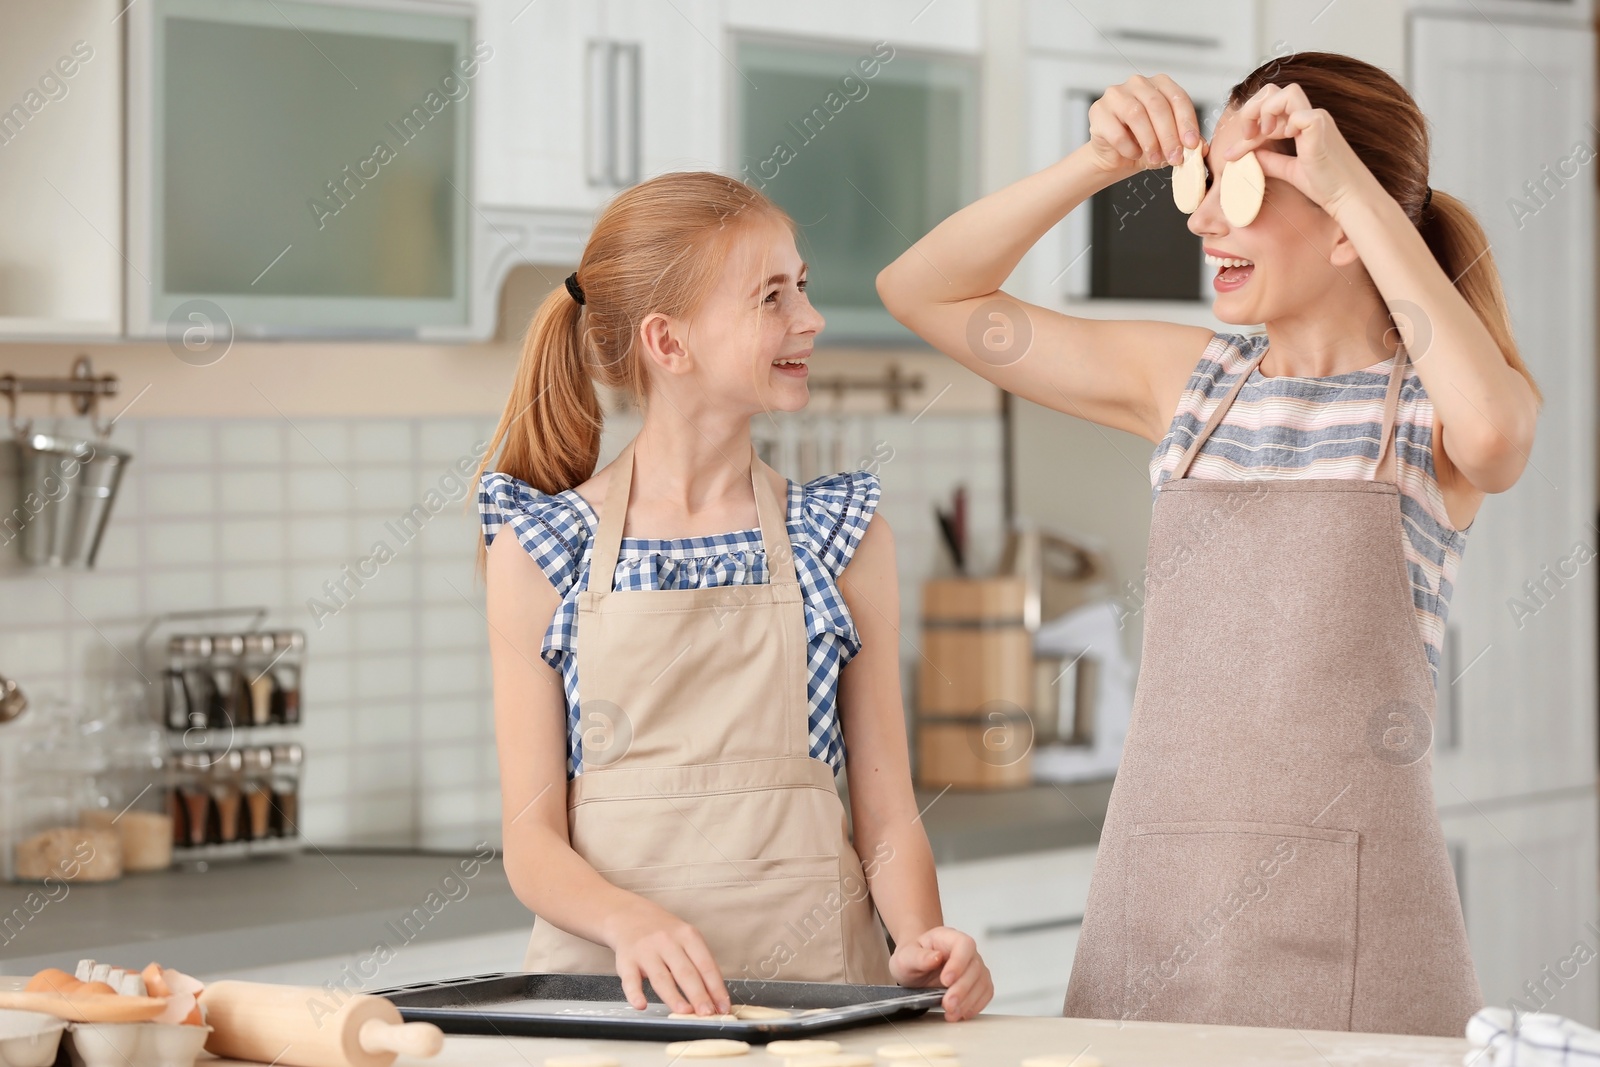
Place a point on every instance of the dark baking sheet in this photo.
(593, 1006)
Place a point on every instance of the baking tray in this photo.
(518, 1004)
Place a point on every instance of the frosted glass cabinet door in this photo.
(1509, 106)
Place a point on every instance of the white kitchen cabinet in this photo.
(1526, 870)
(939, 25)
(1025, 912)
(582, 100)
(61, 248)
(1508, 105)
(1146, 36)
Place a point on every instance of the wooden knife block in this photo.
(974, 685)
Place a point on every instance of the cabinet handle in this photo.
(612, 153)
(625, 113)
(1184, 40)
(1060, 923)
(598, 162)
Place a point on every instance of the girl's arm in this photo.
(557, 884)
(1484, 409)
(888, 831)
(946, 287)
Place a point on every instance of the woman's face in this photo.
(749, 343)
(1290, 243)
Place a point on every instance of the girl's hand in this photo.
(1324, 167)
(651, 942)
(1144, 122)
(947, 957)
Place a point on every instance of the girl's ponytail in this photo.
(549, 433)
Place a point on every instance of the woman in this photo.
(681, 822)
(1271, 854)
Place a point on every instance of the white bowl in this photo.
(135, 1044)
(29, 1038)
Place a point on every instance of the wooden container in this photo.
(975, 686)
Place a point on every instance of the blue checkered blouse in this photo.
(826, 520)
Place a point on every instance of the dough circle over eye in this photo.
(1189, 180)
(1243, 186)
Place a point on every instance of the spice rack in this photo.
(231, 704)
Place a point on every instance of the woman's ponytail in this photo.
(1461, 248)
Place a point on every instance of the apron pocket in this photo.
(1241, 923)
(767, 919)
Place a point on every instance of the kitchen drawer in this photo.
(1218, 33)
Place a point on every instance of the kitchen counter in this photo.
(281, 909)
(1005, 1040)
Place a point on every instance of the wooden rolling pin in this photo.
(282, 1024)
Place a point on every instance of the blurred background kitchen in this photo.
(264, 270)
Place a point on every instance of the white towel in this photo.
(1501, 1038)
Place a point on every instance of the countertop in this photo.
(1005, 1040)
(317, 903)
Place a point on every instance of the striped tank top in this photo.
(1289, 427)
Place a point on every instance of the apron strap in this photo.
(1387, 453)
(1216, 416)
(771, 514)
(1385, 468)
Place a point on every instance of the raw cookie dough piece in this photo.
(708, 1046)
(831, 1059)
(803, 1047)
(1189, 180)
(582, 1059)
(1243, 186)
(1062, 1059)
(758, 1011)
(714, 1017)
(926, 1050)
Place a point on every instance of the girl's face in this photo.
(747, 347)
(1290, 244)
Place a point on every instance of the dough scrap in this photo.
(803, 1047)
(760, 1011)
(708, 1046)
(582, 1059)
(1063, 1059)
(926, 1051)
(1189, 180)
(1243, 186)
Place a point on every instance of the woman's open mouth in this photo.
(1233, 273)
(792, 366)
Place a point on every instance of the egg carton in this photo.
(134, 1044)
(29, 1038)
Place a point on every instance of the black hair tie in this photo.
(573, 288)
(1427, 198)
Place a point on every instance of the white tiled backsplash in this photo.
(398, 725)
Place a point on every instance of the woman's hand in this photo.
(947, 957)
(1324, 167)
(651, 942)
(1144, 122)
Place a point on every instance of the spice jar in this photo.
(226, 797)
(288, 646)
(259, 652)
(256, 786)
(286, 790)
(195, 798)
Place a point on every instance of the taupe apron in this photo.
(698, 789)
(1271, 854)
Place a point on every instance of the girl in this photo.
(1271, 855)
(680, 823)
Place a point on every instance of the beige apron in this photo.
(1271, 854)
(698, 790)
